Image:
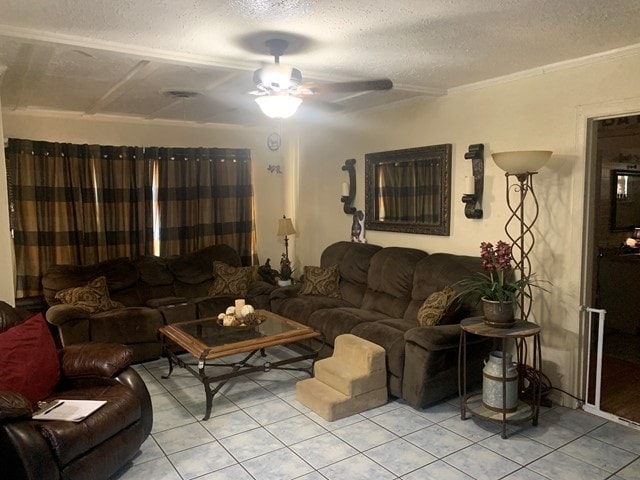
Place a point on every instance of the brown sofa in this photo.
(382, 290)
(96, 447)
(154, 291)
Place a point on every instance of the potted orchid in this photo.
(497, 287)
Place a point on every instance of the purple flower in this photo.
(496, 258)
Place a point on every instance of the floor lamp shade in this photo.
(522, 161)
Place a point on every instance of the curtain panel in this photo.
(204, 197)
(83, 204)
(409, 192)
(75, 204)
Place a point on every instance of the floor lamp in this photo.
(520, 167)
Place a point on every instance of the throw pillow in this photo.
(436, 306)
(231, 281)
(321, 281)
(94, 297)
(29, 359)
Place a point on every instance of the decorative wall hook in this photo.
(350, 166)
(473, 200)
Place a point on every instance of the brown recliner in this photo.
(96, 447)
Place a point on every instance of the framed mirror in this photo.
(409, 190)
(625, 200)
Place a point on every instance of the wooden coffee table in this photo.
(208, 341)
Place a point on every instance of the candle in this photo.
(469, 185)
(345, 189)
(239, 305)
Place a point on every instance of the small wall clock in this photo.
(274, 141)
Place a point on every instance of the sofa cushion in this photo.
(321, 281)
(230, 280)
(336, 321)
(437, 306)
(195, 267)
(390, 280)
(434, 273)
(301, 308)
(153, 271)
(131, 325)
(29, 360)
(389, 334)
(93, 297)
(353, 260)
(121, 275)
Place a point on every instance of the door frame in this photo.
(585, 145)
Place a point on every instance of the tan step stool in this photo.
(351, 381)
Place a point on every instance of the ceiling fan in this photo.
(279, 87)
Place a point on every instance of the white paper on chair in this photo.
(69, 410)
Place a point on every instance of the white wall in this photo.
(538, 112)
(7, 281)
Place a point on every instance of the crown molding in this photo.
(73, 115)
(38, 36)
(622, 52)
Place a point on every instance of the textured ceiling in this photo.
(120, 57)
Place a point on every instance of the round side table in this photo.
(528, 408)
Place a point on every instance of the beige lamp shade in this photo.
(521, 161)
(285, 227)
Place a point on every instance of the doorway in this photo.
(613, 373)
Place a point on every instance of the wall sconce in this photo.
(285, 227)
(349, 191)
(473, 186)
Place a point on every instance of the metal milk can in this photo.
(492, 383)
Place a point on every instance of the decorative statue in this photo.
(357, 228)
(285, 268)
(267, 273)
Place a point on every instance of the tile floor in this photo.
(258, 430)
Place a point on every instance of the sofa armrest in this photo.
(260, 287)
(440, 337)
(290, 291)
(165, 301)
(279, 296)
(435, 338)
(94, 359)
(14, 405)
(64, 313)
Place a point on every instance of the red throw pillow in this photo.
(29, 359)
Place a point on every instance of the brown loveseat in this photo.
(381, 291)
(96, 447)
(154, 291)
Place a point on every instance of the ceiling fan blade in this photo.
(348, 87)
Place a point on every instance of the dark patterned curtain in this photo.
(409, 192)
(76, 204)
(204, 197)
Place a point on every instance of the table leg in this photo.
(462, 374)
(537, 366)
(504, 388)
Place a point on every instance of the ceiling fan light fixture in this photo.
(278, 106)
(278, 77)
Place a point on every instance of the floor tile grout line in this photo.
(559, 449)
(286, 398)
